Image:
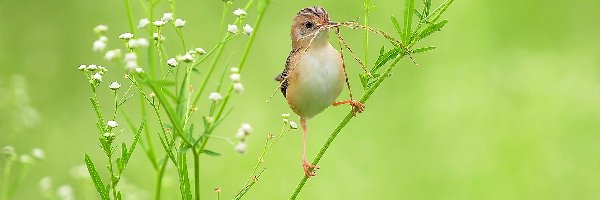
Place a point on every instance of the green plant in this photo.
(428, 24)
(164, 87)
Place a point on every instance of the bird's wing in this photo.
(282, 77)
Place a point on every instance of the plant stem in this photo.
(6, 179)
(160, 175)
(343, 123)
(196, 174)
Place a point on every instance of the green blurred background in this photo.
(507, 106)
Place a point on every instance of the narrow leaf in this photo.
(210, 153)
(397, 25)
(409, 8)
(438, 11)
(432, 29)
(423, 49)
(184, 186)
(102, 190)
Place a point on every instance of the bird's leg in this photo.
(309, 169)
(357, 106)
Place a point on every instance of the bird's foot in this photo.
(309, 169)
(357, 106)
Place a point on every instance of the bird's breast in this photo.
(316, 82)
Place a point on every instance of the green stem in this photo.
(160, 175)
(6, 179)
(196, 174)
(129, 16)
(343, 123)
(22, 175)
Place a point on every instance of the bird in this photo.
(314, 73)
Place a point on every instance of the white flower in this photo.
(240, 134)
(112, 123)
(238, 87)
(158, 37)
(246, 128)
(200, 51)
(247, 29)
(285, 115)
(235, 77)
(103, 38)
(45, 184)
(131, 65)
(100, 29)
(142, 42)
(159, 23)
(139, 70)
(215, 96)
(241, 147)
(9, 151)
(112, 54)
(79, 172)
(179, 23)
(132, 44)
(235, 70)
(143, 23)
(102, 69)
(239, 12)
(293, 125)
(65, 192)
(26, 159)
(97, 77)
(232, 28)
(126, 36)
(167, 17)
(92, 67)
(38, 153)
(82, 67)
(98, 45)
(114, 85)
(187, 58)
(172, 62)
(130, 57)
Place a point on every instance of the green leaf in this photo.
(160, 82)
(102, 190)
(385, 58)
(418, 14)
(423, 49)
(397, 26)
(426, 7)
(363, 80)
(438, 11)
(210, 153)
(184, 186)
(432, 29)
(409, 8)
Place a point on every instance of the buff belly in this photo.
(316, 82)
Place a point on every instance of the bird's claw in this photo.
(310, 170)
(357, 106)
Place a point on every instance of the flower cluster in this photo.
(236, 78)
(233, 28)
(93, 72)
(100, 44)
(242, 134)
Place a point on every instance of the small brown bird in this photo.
(314, 73)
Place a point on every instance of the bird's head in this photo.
(311, 22)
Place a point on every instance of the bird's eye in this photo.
(308, 24)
